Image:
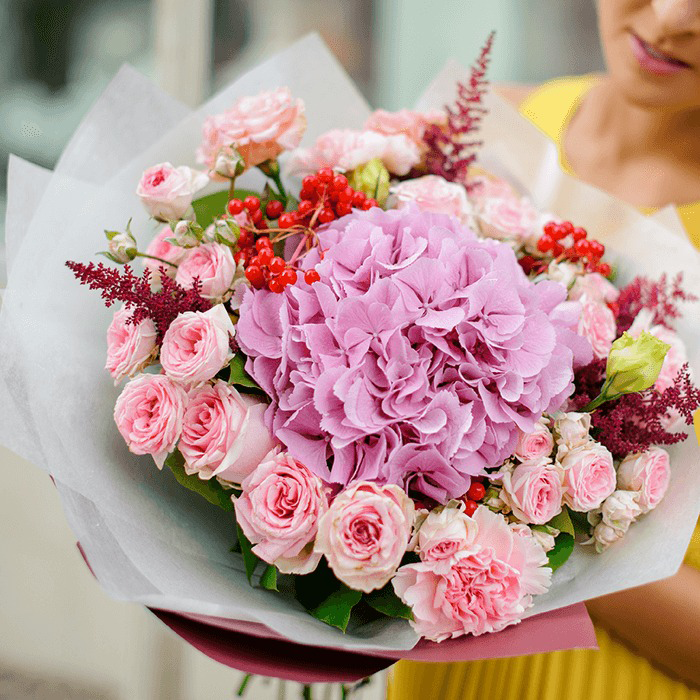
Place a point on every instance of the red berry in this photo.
(476, 491)
(239, 257)
(557, 249)
(580, 233)
(251, 203)
(325, 175)
(346, 195)
(275, 285)
(358, 199)
(289, 276)
(604, 269)
(311, 276)
(286, 220)
(567, 227)
(257, 217)
(262, 242)
(340, 182)
(265, 256)
(597, 249)
(305, 207)
(255, 276)
(310, 182)
(326, 215)
(306, 193)
(550, 227)
(235, 206)
(274, 209)
(582, 248)
(545, 243)
(245, 240)
(371, 203)
(276, 265)
(470, 506)
(343, 208)
(614, 307)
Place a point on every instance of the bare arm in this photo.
(660, 621)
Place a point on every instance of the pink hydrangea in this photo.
(482, 588)
(415, 359)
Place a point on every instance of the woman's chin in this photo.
(651, 91)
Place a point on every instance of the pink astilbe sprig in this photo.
(162, 306)
(450, 149)
(663, 297)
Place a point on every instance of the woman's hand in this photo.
(660, 621)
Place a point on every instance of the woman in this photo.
(634, 132)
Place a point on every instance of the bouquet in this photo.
(407, 391)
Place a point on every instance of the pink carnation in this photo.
(160, 248)
(223, 433)
(534, 491)
(148, 414)
(167, 192)
(416, 357)
(196, 345)
(648, 474)
(213, 265)
(130, 346)
(345, 149)
(434, 193)
(259, 127)
(365, 533)
(483, 588)
(410, 124)
(279, 512)
(589, 476)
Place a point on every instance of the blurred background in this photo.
(60, 637)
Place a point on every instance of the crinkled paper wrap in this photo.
(149, 540)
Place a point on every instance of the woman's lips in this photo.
(653, 60)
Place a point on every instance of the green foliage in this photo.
(211, 489)
(564, 542)
(238, 375)
(268, 579)
(249, 559)
(388, 603)
(208, 208)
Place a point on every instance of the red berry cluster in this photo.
(476, 492)
(273, 209)
(569, 242)
(324, 197)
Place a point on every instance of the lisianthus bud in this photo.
(122, 246)
(186, 234)
(229, 162)
(226, 231)
(634, 363)
(372, 178)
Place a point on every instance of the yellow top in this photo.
(611, 672)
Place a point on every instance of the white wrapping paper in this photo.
(149, 540)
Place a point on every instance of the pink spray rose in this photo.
(196, 345)
(434, 193)
(444, 532)
(167, 192)
(130, 346)
(594, 286)
(223, 433)
(258, 127)
(536, 444)
(410, 124)
(482, 588)
(534, 490)
(212, 264)
(572, 430)
(597, 323)
(589, 476)
(148, 414)
(648, 473)
(279, 512)
(160, 248)
(613, 519)
(345, 149)
(365, 533)
(507, 217)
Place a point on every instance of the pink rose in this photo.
(196, 345)
(534, 490)
(130, 346)
(539, 443)
(648, 473)
(345, 149)
(365, 533)
(487, 186)
(434, 193)
(618, 512)
(410, 124)
(148, 414)
(589, 476)
(160, 248)
(213, 265)
(259, 127)
(596, 287)
(167, 192)
(597, 324)
(507, 217)
(223, 433)
(445, 532)
(483, 588)
(279, 512)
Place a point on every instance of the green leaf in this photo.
(388, 603)
(268, 579)
(238, 375)
(208, 208)
(211, 489)
(562, 522)
(249, 559)
(336, 609)
(580, 522)
(563, 547)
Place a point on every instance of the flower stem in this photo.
(307, 693)
(244, 684)
(153, 257)
(232, 188)
(601, 398)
